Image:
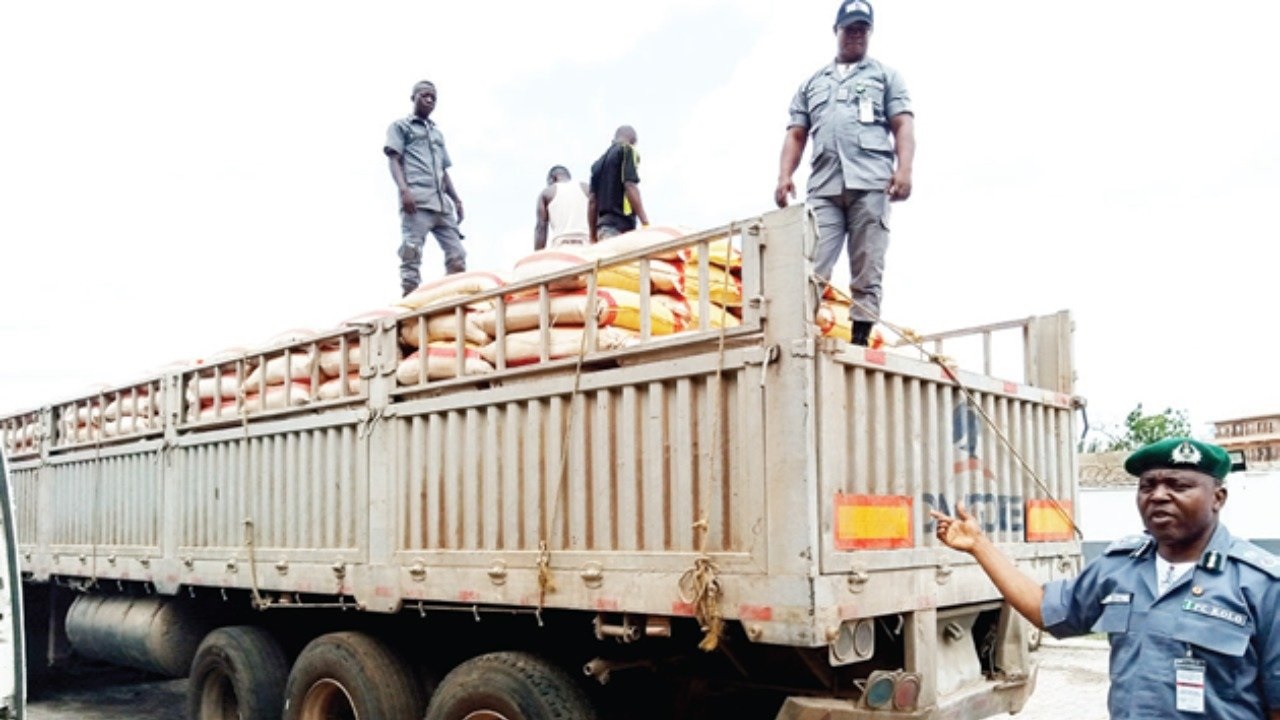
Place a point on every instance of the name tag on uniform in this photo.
(1188, 679)
(1118, 599)
(866, 109)
(842, 95)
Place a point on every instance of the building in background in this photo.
(1109, 504)
(1257, 437)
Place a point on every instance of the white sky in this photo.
(182, 177)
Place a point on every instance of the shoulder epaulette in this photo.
(1250, 554)
(1134, 545)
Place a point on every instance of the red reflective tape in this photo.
(877, 357)
(682, 608)
(383, 591)
(761, 613)
(468, 596)
(1011, 387)
(607, 604)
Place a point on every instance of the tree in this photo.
(1140, 429)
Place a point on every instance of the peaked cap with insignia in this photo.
(1180, 453)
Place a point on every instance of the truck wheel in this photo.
(237, 672)
(352, 676)
(509, 686)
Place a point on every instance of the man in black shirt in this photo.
(614, 203)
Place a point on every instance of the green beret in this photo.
(1180, 452)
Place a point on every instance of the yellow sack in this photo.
(720, 317)
(724, 287)
(719, 252)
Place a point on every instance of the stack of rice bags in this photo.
(430, 342)
(616, 313)
(80, 422)
(724, 285)
(132, 411)
(213, 390)
(285, 377)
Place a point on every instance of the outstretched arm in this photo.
(963, 534)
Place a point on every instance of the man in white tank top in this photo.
(562, 211)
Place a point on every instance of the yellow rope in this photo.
(546, 583)
(700, 587)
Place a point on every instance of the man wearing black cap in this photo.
(1191, 612)
(858, 112)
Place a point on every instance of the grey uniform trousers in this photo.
(413, 235)
(859, 219)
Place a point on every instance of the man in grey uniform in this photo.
(850, 108)
(1191, 612)
(420, 167)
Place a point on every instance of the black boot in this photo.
(862, 332)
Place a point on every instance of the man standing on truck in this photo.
(1191, 611)
(562, 211)
(850, 108)
(614, 204)
(420, 167)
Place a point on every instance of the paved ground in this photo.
(110, 695)
(1073, 681)
(1072, 684)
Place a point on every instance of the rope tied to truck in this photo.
(699, 587)
(911, 337)
(546, 582)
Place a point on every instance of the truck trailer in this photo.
(729, 521)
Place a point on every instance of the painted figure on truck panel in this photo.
(428, 203)
(850, 108)
(1191, 611)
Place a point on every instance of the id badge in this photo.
(1188, 678)
(866, 109)
(842, 95)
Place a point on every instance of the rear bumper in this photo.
(988, 699)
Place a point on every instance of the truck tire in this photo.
(509, 686)
(352, 675)
(238, 672)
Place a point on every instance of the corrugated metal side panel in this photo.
(26, 501)
(113, 501)
(619, 469)
(885, 433)
(299, 488)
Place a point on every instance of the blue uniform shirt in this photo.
(1222, 612)
(850, 150)
(421, 145)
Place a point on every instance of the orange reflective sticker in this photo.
(873, 522)
(1048, 521)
